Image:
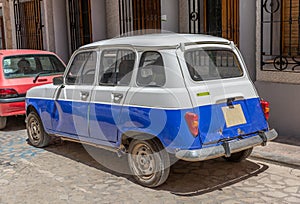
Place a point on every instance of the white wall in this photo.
(284, 103)
(60, 29)
(248, 35)
(170, 9)
(98, 19)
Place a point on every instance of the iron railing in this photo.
(219, 18)
(280, 35)
(80, 23)
(139, 16)
(28, 24)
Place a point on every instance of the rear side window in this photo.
(30, 65)
(211, 64)
(151, 70)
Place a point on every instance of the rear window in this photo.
(210, 64)
(31, 65)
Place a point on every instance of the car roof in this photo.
(11, 52)
(160, 40)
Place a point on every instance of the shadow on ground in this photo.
(186, 179)
(15, 123)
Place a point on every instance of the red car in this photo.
(21, 70)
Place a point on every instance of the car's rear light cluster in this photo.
(8, 93)
(266, 108)
(193, 123)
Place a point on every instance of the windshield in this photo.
(212, 63)
(31, 65)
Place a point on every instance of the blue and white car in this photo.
(153, 96)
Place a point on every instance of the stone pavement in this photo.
(72, 173)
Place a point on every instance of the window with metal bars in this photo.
(142, 16)
(80, 23)
(28, 23)
(280, 35)
(218, 18)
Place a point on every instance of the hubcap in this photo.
(143, 161)
(35, 132)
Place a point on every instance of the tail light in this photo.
(192, 122)
(8, 93)
(266, 108)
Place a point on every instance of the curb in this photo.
(278, 152)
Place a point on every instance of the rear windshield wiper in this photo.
(39, 74)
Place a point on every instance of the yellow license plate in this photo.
(234, 115)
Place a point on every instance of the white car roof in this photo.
(160, 40)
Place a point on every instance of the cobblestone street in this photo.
(66, 173)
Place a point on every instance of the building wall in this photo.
(248, 35)
(61, 29)
(170, 11)
(281, 89)
(98, 19)
(7, 24)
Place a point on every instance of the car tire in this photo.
(239, 156)
(3, 121)
(149, 162)
(35, 130)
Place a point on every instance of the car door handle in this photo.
(84, 95)
(117, 97)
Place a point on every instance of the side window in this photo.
(82, 70)
(116, 67)
(151, 70)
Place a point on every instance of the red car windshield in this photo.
(31, 65)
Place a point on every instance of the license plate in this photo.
(234, 115)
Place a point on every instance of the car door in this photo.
(116, 67)
(73, 98)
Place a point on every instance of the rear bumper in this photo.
(226, 149)
(12, 108)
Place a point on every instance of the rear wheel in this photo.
(148, 162)
(35, 130)
(239, 156)
(3, 121)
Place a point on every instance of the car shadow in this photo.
(186, 178)
(15, 123)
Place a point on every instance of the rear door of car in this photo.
(221, 92)
(113, 83)
(72, 99)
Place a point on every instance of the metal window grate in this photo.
(28, 24)
(139, 16)
(80, 23)
(280, 35)
(218, 18)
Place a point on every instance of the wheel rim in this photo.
(34, 130)
(142, 161)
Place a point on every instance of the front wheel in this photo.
(239, 156)
(148, 162)
(35, 130)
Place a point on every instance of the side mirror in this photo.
(58, 80)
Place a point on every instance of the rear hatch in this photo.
(222, 94)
